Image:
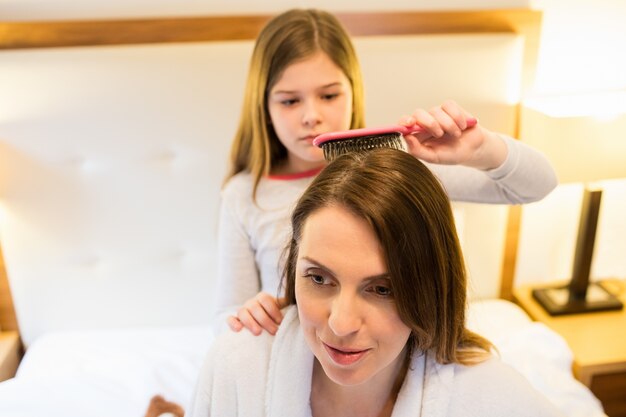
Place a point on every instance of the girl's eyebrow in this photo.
(326, 269)
(337, 83)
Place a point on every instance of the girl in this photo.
(304, 80)
(378, 334)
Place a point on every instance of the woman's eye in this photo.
(329, 97)
(382, 291)
(317, 279)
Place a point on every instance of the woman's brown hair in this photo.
(287, 38)
(410, 213)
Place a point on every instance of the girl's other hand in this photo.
(262, 312)
(446, 138)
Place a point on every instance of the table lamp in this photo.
(585, 139)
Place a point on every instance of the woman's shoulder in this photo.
(234, 367)
(238, 354)
(235, 360)
(240, 347)
(244, 345)
(494, 388)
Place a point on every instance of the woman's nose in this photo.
(345, 317)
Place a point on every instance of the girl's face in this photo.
(312, 96)
(345, 302)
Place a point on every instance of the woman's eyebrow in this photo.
(317, 264)
(384, 276)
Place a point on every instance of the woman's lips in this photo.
(345, 357)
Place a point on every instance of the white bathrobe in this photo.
(248, 376)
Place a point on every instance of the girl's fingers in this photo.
(452, 109)
(262, 312)
(458, 113)
(234, 323)
(271, 307)
(248, 321)
(407, 121)
(428, 122)
(449, 125)
(262, 319)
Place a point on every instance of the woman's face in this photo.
(344, 298)
(311, 97)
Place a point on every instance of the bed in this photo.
(113, 144)
(115, 372)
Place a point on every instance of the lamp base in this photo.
(556, 300)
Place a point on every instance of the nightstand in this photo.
(598, 341)
(9, 354)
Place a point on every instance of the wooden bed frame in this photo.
(75, 33)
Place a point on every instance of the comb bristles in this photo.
(333, 149)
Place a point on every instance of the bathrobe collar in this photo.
(425, 391)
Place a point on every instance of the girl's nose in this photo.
(345, 317)
(311, 116)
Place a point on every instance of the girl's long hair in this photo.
(287, 38)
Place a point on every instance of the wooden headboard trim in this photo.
(48, 34)
(8, 321)
(73, 33)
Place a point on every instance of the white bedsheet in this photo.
(105, 373)
(116, 372)
(537, 352)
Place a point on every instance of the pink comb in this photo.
(338, 143)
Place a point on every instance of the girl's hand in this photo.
(446, 139)
(262, 312)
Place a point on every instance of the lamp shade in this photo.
(585, 142)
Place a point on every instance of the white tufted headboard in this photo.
(113, 150)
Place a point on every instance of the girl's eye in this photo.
(289, 102)
(329, 97)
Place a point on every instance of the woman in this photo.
(375, 320)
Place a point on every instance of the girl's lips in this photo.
(345, 357)
(308, 138)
